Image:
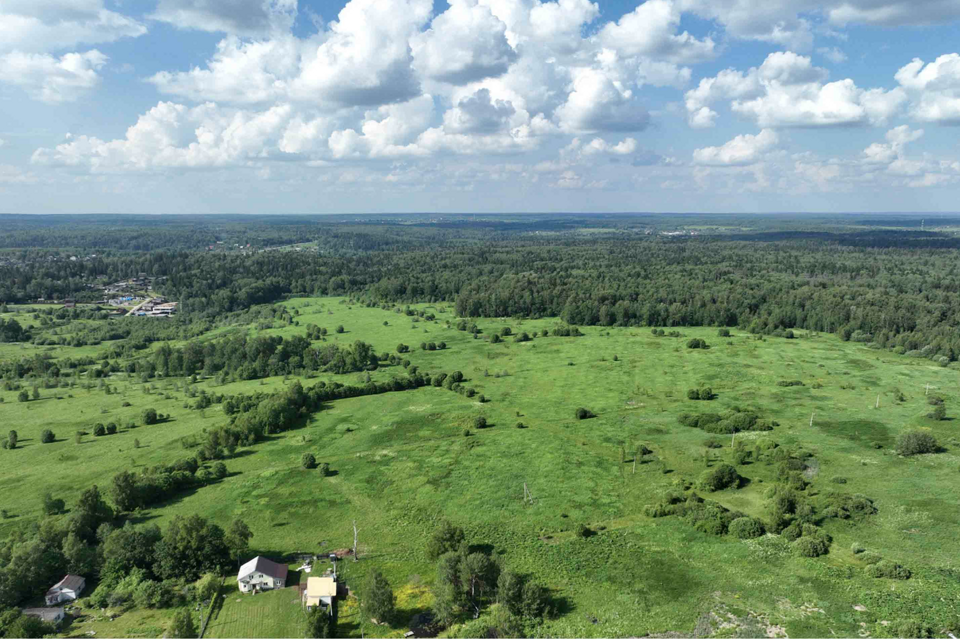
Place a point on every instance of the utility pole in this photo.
(355, 532)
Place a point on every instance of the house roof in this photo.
(318, 587)
(69, 581)
(47, 613)
(263, 565)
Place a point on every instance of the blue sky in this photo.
(286, 106)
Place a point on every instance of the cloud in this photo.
(465, 43)
(479, 114)
(174, 136)
(239, 17)
(50, 79)
(833, 54)
(365, 59)
(897, 139)
(10, 174)
(40, 26)
(597, 103)
(741, 151)
(934, 88)
(788, 91)
(243, 72)
(650, 30)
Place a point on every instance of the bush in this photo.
(790, 383)
(810, 547)
(913, 443)
(308, 461)
(324, 469)
(582, 531)
(47, 436)
(445, 539)
(111, 428)
(149, 416)
(723, 333)
(912, 629)
(720, 477)
(697, 343)
(584, 414)
(939, 412)
(480, 422)
(746, 528)
(99, 429)
(888, 569)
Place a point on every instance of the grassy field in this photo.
(272, 614)
(402, 463)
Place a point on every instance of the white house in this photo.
(261, 574)
(67, 589)
(53, 615)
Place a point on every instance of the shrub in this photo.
(480, 422)
(582, 531)
(723, 333)
(912, 629)
(916, 442)
(149, 416)
(324, 469)
(308, 461)
(219, 470)
(693, 394)
(746, 528)
(790, 383)
(111, 428)
(712, 443)
(888, 569)
(99, 429)
(939, 412)
(584, 414)
(810, 547)
(47, 436)
(697, 343)
(856, 548)
(720, 477)
(340, 328)
(23, 396)
(445, 539)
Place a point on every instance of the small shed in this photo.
(321, 590)
(67, 589)
(51, 615)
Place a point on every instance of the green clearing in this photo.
(272, 614)
(401, 464)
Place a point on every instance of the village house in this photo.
(67, 589)
(261, 574)
(321, 590)
(50, 615)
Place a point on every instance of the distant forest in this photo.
(888, 281)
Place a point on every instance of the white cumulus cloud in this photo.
(742, 150)
(52, 79)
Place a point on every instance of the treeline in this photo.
(892, 289)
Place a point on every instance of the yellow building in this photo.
(320, 590)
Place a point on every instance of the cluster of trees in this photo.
(137, 564)
(469, 580)
(131, 491)
(733, 420)
(248, 358)
(12, 331)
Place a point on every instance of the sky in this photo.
(377, 106)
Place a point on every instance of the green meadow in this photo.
(401, 463)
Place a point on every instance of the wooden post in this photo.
(878, 401)
(811, 418)
(355, 532)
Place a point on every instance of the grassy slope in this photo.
(402, 463)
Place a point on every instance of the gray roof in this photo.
(264, 566)
(46, 613)
(69, 581)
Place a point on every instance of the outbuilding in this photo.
(51, 615)
(321, 590)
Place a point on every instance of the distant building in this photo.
(261, 574)
(320, 591)
(51, 615)
(66, 590)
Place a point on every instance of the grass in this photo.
(402, 464)
(271, 614)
